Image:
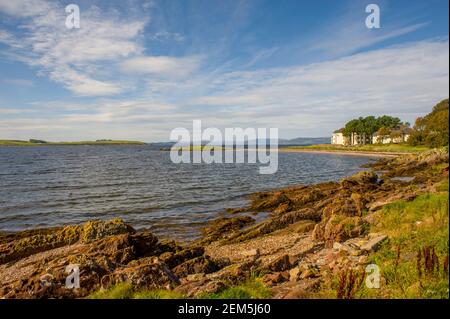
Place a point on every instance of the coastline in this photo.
(78, 143)
(312, 234)
(342, 152)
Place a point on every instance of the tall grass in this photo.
(412, 262)
(251, 289)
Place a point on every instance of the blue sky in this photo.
(138, 69)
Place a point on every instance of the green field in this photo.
(391, 148)
(99, 142)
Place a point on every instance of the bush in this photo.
(432, 130)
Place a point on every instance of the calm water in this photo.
(58, 185)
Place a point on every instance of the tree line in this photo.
(431, 130)
(366, 127)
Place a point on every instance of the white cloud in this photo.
(405, 81)
(357, 37)
(74, 57)
(230, 100)
(314, 99)
(24, 8)
(167, 36)
(9, 111)
(161, 66)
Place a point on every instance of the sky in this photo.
(139, 69)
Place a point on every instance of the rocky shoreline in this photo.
(312, 234)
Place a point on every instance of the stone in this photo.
(269, 200)
(195, 277)
(202, 264)
(146, 273)
(347, 248)
(281, 263)
(252, 254)
(361, 178)
(294, 274)
(275, 278)
(172, 259)
(374, 242)
(340, 228)
(43, 240)
(309, 270)
(192, 289)
(96, 229)
(303, 226)
(224, 226)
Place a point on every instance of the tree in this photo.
(388, 121)
(366, 127)
(433, 129)
(382, 133)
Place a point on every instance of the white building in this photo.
(388, 140)
(338, 138)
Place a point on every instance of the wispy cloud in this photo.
(72, 57)
(161, 66)
(142, 68)
(357, 37)
(302, 100)
(24, 8)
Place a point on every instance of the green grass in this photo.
(126, 291)
(411, 226)
(252, 289)
(100, 142)
(391, 148)
(120, 291)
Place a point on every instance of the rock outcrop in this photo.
(312, 232)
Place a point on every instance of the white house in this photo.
(388, 140)
(399, 135)
(338, 138)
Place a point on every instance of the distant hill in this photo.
(305, 141)
(34, 142)
(299, 141)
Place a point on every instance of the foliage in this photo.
(251, 289)
(414, 262)
(350, 281)
(126, 291)
(366, 127)
(432, 130)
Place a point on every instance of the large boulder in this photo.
(224, 226)
(202, 264)
(148, 273)
(58, 237)
(173, 259)
(339, 228)
(199, 288)
(360, 178)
